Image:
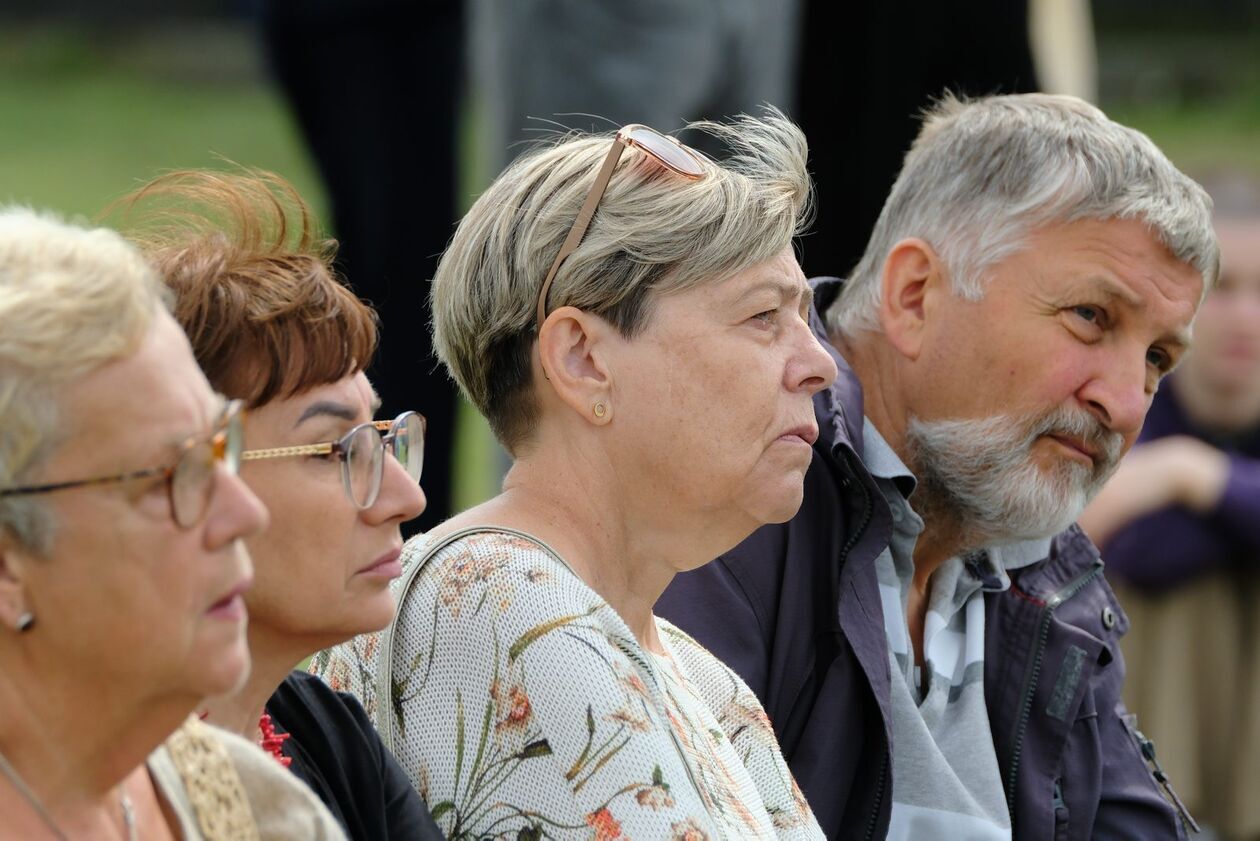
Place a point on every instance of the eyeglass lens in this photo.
(363, 462)
(408, 444)
(665, 150)
(192, 480)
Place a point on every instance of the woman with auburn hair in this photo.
(631, 320)
(272, 325)
(121, 562)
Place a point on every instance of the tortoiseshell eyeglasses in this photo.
(189, 479)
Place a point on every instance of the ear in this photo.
(913, 274)
(573, 350)
(13, 601)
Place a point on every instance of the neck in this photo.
(612, 537)
(943, 536)
(1217, 408)
(272, 656)
(881, 383)
(71, 751)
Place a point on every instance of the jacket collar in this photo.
(838, 408)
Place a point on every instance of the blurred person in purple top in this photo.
(1179, 527)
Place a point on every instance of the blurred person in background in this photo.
(271, 325)
(629, 317)
(376, 87)
(598, 64)
(122, 563)
(1179, 527)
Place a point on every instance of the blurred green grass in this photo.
(79, 129)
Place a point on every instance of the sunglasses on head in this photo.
(666, 151)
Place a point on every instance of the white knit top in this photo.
(523, 707)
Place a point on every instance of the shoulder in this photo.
(722, 690)
(308, 708)
(218, 773)
(492, 579)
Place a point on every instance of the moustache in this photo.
(1075, 424)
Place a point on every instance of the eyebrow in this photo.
(327, 408)
(1180, 339)
(787, 290)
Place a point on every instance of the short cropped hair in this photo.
(654, 233)
(985, 173)
(71, 300)
(255, 288)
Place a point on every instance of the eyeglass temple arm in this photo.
(284, 452)
(583, 220)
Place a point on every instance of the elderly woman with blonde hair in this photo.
(631, 320)
(122, 562)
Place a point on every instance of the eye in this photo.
(1087, 312)
(767, 318)
(1159, 360)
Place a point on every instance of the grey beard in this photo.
(979, 474)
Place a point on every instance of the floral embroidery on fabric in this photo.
(524, 708)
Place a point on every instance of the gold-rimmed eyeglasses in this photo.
(361, 452)
(666, 151)
(189, 479)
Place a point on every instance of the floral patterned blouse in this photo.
(524, 708)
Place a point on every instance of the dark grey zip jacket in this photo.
(795, 610)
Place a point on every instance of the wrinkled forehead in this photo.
(137, 409)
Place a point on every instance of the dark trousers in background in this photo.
(867, 70)
(375, 86)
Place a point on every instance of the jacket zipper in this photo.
(1034, 672)
(879, 798)
(867, 511)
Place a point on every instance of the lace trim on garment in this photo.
(214, 788)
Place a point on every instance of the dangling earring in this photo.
(25, 622)
(600, 410)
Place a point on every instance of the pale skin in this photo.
(323, 567)
(1089, 313)
(121, 576)
(708, 419)
(1219, 389)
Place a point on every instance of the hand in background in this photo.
(1177, 470)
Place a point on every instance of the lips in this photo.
(387, 565)
(806, 432)
(1079, 445)
(231, 605)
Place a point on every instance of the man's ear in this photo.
(573, 347)
(913, 273)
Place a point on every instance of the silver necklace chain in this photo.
(128, 811)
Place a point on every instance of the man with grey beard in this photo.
(932, 637)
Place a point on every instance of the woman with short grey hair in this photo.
(122, 561)
(630, 318)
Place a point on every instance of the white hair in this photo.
(984, 173)
(71, 300)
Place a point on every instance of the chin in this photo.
(225, 672)
(780, 507)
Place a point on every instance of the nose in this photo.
(400, 499)
(235, 512)
(811, 368)
(1119, 395)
